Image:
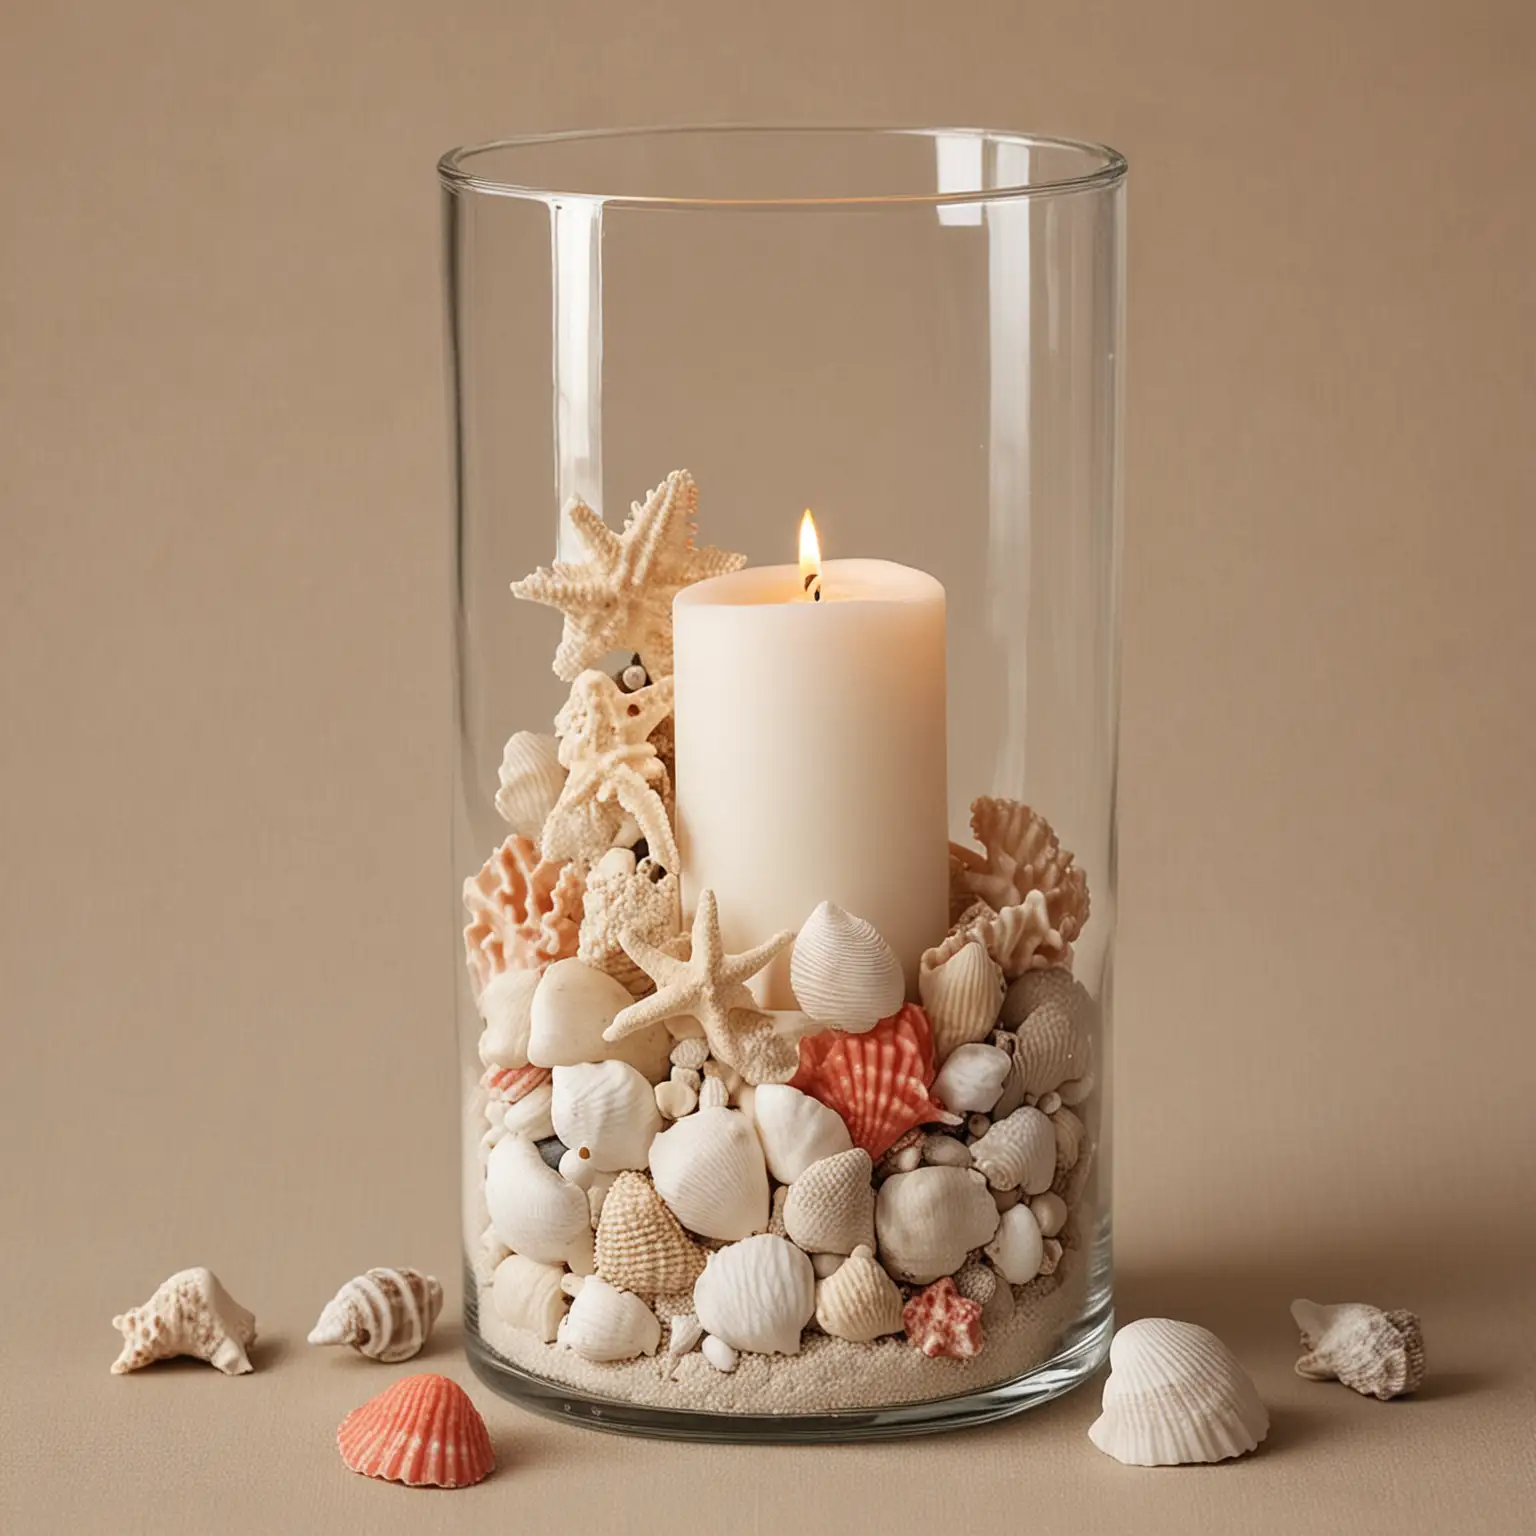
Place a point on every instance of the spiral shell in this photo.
(858, 1301)
(532, 777)
(961, 995)
(524, 912)
(1018, 1152)
(386, 1314)
(843, 973)
(1378, 1354)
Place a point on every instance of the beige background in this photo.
(223, 808)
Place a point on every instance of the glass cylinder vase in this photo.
(785, 842)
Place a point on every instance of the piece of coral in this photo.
(1022, 854)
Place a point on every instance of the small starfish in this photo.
(708, 986)
(621, 599)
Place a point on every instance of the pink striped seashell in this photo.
(509, 1084)
(423, 1431)
(940, 1321)
(877, 1081)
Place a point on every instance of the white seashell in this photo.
(576, 1169)
(1051, 1251)
(690, 1052)
(796, 1130)
(843, 973)
(709, 1169)
(1053, 1016)
(532, 777)
(605, 1325)
(859, 1301)
(683, 1334)
(608, 1110)
(597, 1195)
(961, 995)
(713, 1093)
(506, 1005)
(719, 1354)
(386, 1314)
(830, 1208)
(676, 1097)
(531, 1115)
(527, 1294)
(928, 1220)
(757, 1295)
(1017, 1248)
(1050, 1212)
(534, 1211)
(828, 1264)
(572, 1007)
(1176, 1394)
(940, 1151)
(972, 1078)
(190, 1314)
(1378, 1354)
(1019, 1152)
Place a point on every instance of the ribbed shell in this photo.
(1070, 1132)
(1379, 1354)
(858, 1301)
(795, 1130)
(527, 1294)
(831, 1206)
(532, 777)
(506, 1085)
(423, 1431)
(843, 972)
(928, 1220)
(757, 1295)
(1052, 1035)
(640, 1246)
(609, 1110)
(605, 1324)
(709, 1169)
(386, 1314)
(533, 1210)
(961, 995)
(1019, 1152)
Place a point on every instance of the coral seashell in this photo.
(709, 1169)
(795, 1130)
(386, 1314)
(607, 1110)
(928, 1220)
(533, 1210)
(605, 1324)
(1050, 1212)
(1378, 1354)
(961, 995)
(640, 1246)
(878, 1081)
(572, 1007)
(190, 1314)
(532, 777)
(677, 1096)
(831, 1206)
(940, 1151)
(506, 1085)
(623, 896)
(1052, 1044)
(532, 1115)
(423, 1431)
(1017, 1247)
(757, 1295)
(527, 1294)
(1018, 1152)
(941, 1322)
(1023, 856)
(843, 973)
(1176, 1394)
(859, 1301)
(524, 911)
(972, 1078)
(506, 1005)
(720, 1354)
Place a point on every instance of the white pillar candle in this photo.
(811, 754)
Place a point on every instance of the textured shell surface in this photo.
(506, 1005)
(606, 1324)
(709, 1169)
(626, 896)
(1017, 1247)
(941, 1322)
(961, 995)
(190, 1314)
(506, 1085)
(757, 1295)
(532, 777)
(1017, 938)
(572, 1007)
(1071, 1133)
(532, 1115)
(859, 1301)
(1377, 1354)
(1176, 1394)
(386, 1314)
(1019, 1152)
(527, 1294)
(1053, 1039)
(830, 1208)
(795, 1130)
(1023, 855)
(533, 1210)
(971, 1079)
(640, 1245)
(524, 912)
(608, 1110)
(928, 1220)
(843, 973)
(422, 1431)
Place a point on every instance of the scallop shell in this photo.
(606, 1110)
(386, 1314)
(422, 1431)
(757, 1295)
(859, 1301)
(878, 1081)
(625, 897)
(190, 1314)
(527, 1294)
(941, 1322)
(572, 1007)
(1017, 1247)
(831, 1206)
(1052, 1043)
(961, 995)
(524, 912)
(1378, 1354)
(1176, 1394)
(507, 1085)
(1019, 1152)
(506, 1005)
(843, 973)
(605, 1324)
(1023, 856)
(532, 777)
(795, 1130)
(533, 1210)
(640, 1246)
(928, 1220)
(709, 1169)
(972, 1079)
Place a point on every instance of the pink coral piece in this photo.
(524, 912)
(940, 1321)
(877, 1081)
(509, 1084)
(423, 1431)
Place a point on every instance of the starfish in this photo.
(708, 986)
(621, 599)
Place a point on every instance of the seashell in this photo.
(640, 1246)
(386, 1314)
(691, 1053)
(608, 1110)
(572, 1007)
(878, 1081)
(977, 1282)
(683, 1334)
(713, 1093)
(977, 1125)
(1176, 1394)
(605, 1324)
(1070, 1133)
(757, 1295)
(826, 1264)
(831, 1205)
(941, 1322)
(971, 1079)
(524, 912)
(961, 995)
(1378, 1354)
(1019, 938)
(626, 896)
(423, 1431)
(506, 1005)
(795, 1130)
(527, 1294)
(1052, 1044)
(506, 1085)
(1070, 1185)
(1017, 1248)
(1006, 1199)
(1019, 1152)
(859, 1301)
(928, 1220)
(843, 973)
(1051, 1251)
(709, 1169)
(1048, 1103)
(676, 1097)
(190, 1314)
(905, 1154)
(531, 1115)
(776, 1212)
(532, 777)
(1023, 856)
(719, 1354)
(1050, 1213)
(533, 1210)
(940, 1151)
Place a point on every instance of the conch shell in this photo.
(1378, 1354)
(1023, 855)
(386, 1314)
(524, 911)
(190, 1314)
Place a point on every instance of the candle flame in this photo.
(810, 558)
